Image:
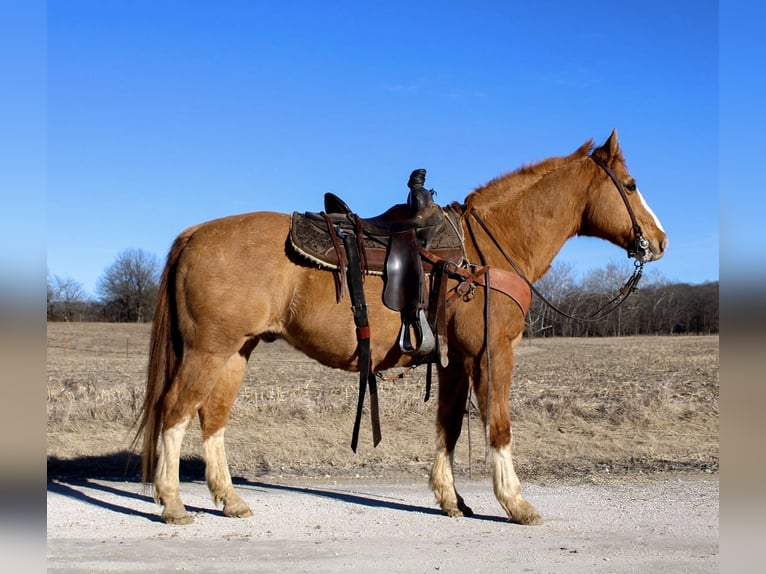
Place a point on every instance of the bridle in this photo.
(636, 250)
(640, 244)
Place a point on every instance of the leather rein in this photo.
(635, 250)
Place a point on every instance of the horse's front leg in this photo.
(504, 480)
(453, 392)
(508, 488)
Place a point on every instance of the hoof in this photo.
(526, 515)
(237, 511)
(234, 506)
(536, 520)
(169, 518)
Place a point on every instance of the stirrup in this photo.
(424, 337)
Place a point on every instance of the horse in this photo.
(232, 282)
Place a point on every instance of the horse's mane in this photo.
(502, 186)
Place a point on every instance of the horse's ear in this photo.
(612, 143)
(610, 150)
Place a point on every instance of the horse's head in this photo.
(616, 209)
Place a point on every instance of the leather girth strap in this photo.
(359, 308)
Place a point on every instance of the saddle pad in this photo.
(310, 239)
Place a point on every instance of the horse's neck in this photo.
(531, 225)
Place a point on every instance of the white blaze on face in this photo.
(649, 210)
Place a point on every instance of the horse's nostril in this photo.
(664, 245)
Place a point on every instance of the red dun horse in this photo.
(231, 282)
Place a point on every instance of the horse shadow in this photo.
(76, 478)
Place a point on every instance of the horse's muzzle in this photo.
(654, 252)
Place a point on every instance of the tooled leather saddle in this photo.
(390, 244)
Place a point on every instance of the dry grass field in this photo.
(581, 408)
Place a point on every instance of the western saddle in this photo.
(388, 245)
(393, 245)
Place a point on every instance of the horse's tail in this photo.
(164, 357)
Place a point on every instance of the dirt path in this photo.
(667, 524)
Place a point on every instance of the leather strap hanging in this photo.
(359, 308)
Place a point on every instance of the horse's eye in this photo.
(631, 187)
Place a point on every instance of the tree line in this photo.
(657, 307)
(127, 292)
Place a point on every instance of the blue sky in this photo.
(164, 114)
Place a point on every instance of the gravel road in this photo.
(665, 524)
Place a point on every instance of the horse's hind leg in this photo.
(453, 392)
(213, 415)
(191, 385)
(166, 478)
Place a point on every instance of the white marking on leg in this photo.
(508, 488)
(442, 482)
(505, 482)
(216, 466)
(441, 475)
(166, 477)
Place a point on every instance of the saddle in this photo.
(389, 245)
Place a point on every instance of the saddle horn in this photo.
(417, 179)
(419, 197)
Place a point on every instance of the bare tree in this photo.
(657, 307)
(66, 298)
(128, 288)
(50, 298)
(601, 286)
(557, 286)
